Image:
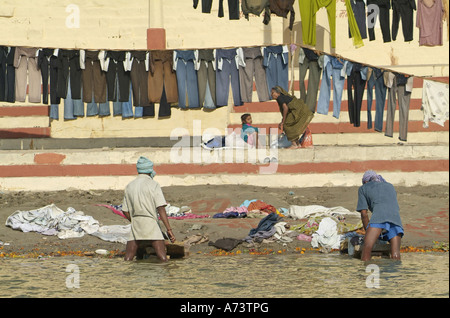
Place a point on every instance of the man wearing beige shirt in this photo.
(142, 204)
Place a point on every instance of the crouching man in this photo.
(143, 202)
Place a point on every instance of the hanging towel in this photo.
(435, 103)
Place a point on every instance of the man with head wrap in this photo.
(143, 202)
(380, 198)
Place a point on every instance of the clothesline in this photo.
(250, 46)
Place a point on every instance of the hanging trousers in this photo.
(206, 5)
(398, 91)
(25, 62)
(162, 77)
(355, 90)
(139, 79)
(332, 69)
(10, 76)
(44, 64)
(73, 107)
(253, 69)
(206, 76)
(116, 73)
(54, 70)
(233, 9)
(403, 10)
(69, 66)
(359, 11)
(376, 81)
(277, 68)
(3, 54)
(94, 79)
(384, 7)
(226, 74)
(186, 79)
(55, 100)
(310, 62)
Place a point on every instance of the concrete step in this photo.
(407, 165)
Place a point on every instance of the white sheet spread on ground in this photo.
(51, 220)
(302, 212)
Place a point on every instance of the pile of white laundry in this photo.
(51, 220)
(326, 237)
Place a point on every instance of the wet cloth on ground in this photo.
(51, 220)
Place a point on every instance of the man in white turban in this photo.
(142, 204)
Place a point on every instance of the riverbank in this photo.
(424, 212)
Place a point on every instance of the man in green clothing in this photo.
(143, 202)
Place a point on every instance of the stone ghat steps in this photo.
(26, 125)
(45, 170)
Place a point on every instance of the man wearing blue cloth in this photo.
(380, 198)
(143, 202)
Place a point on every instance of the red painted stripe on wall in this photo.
(225, 168)
(24, 111)
(334, 128)
(34, 132)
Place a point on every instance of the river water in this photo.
(240, 276)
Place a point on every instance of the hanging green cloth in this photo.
(353, 25)
(308, 11)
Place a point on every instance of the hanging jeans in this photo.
(127, 107)
(356, 84)
(253, 69)
(73, 108)
(399, 91)
(332, 69)
(403, 10)
(25, 62)
(309, 61)
(224, 74)
(104, 109)
(376, 81)
(54, 111)
(383, 14)
(206, 75)
(276, 62)
(186, 79)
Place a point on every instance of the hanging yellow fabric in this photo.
(308, 10)
(353, 25)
